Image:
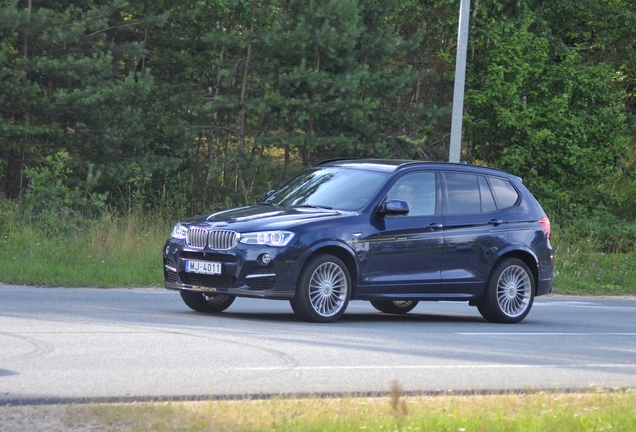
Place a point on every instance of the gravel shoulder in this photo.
(49, 418)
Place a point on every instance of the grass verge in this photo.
(126, 251)
(595, 273)
(113, 252)
(545, 411)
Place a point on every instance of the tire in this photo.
(395, 306)
(509, 293)
(207, 303)
(323, 290)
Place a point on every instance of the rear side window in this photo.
(487, 200)
(462, 194)
(505, 193)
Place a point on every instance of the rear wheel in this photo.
(207, 303)
(509, 293)
(394, 307)
(323, 291)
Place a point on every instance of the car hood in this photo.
(261, 217)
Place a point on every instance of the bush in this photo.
(51, 204)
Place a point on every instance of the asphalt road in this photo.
(59, 344)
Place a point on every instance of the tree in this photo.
(74, 85)
(543, 112)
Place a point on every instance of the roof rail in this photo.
(338, 159)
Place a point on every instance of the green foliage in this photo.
(51, 204)
(136, 189)
(73, 80)
(547, 116)
(182, 107)
(47, 191)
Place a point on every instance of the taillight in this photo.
(545, 226)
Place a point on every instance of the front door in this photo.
(405, 251)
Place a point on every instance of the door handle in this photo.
(495, 222)
(435, 226)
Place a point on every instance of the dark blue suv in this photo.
(393, 232)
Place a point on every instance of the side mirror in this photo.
(394, 207)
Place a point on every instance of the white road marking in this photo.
(584, 305)
(465, 366)
(542, 334)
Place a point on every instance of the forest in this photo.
(183, 107)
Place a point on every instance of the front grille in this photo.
(199, 238)
(212, 281)
(196, 238)
(222, 240)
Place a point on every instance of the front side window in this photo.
(418, 191)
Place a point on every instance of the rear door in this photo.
(475, 230)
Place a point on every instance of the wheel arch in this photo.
(339, 251)
(527, 257)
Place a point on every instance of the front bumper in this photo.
(243, 271)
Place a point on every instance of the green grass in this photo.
(126, 251)
(540, 412)
(582, 266)
(596, 273)
(111, 253)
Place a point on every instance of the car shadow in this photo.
(349, 318)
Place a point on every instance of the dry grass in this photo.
(546, 411)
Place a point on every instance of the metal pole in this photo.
(460, 78)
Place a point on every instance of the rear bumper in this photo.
(544, 286)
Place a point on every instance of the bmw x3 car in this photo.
(392, 232)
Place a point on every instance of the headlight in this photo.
(179, 231)
(267, 238)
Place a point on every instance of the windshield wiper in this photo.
(315, 206)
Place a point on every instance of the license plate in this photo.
(203, 267)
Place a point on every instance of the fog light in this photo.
(265, 259)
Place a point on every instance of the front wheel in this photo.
(206, 303)
(509, 293)
(323, 291)
(395, 306)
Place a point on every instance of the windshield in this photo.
(331, 187)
